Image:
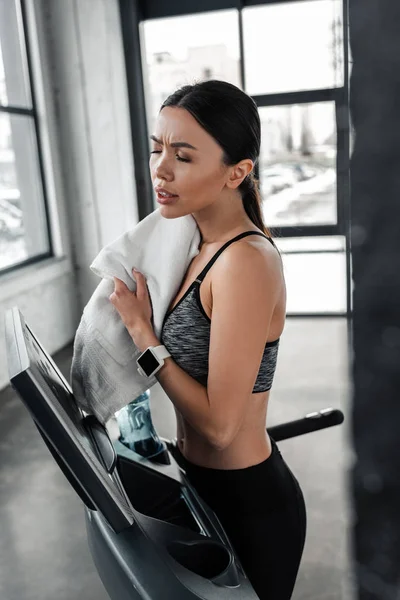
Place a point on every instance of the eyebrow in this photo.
(174, 144)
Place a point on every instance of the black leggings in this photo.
(263, 513)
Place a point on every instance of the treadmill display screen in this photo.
(49, 399)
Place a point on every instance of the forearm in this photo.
(189, 396)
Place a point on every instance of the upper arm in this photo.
(245, 289)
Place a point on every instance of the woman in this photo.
(222, 329)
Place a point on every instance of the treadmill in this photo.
(150, 535)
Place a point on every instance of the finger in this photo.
(141, 286)
(119, 285)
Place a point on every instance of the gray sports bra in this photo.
(186, 332)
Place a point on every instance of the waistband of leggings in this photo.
(228, 473)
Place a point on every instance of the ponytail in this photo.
(252, 202)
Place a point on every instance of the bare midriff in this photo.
(250, 446)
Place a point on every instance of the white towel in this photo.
(104, 374)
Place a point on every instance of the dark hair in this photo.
(231, 117)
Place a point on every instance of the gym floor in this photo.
(43, 549)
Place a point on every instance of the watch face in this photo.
(148, 362)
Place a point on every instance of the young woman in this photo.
(222, 329)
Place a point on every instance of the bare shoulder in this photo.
(251, 261)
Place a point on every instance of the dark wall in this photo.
(375, 180)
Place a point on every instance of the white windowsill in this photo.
(25, 278)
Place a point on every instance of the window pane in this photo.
(23, 227)
(298, 164)
(293, 46)
(14, 81)
(180, 50)
(316, 283)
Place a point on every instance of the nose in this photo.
(163, 169)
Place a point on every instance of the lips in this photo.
(165, 196)
(163, 193)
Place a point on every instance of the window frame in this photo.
(157, 9)
(31, 113)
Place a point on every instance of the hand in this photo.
(134, 307)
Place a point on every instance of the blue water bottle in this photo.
(136, 427)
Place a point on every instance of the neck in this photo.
(220, 221)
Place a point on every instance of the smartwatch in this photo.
(151, 360)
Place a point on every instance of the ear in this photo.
(238, 172)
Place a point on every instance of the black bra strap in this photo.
(214, 258)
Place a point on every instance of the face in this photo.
(186, 164)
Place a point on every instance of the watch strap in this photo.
(161, 351)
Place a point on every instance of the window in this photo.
(289, 56)
(315, 274)
(316, 283)
(193, 48)
(293, 46)
(298, 164)
(24, 232)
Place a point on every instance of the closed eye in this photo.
(180, 158)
